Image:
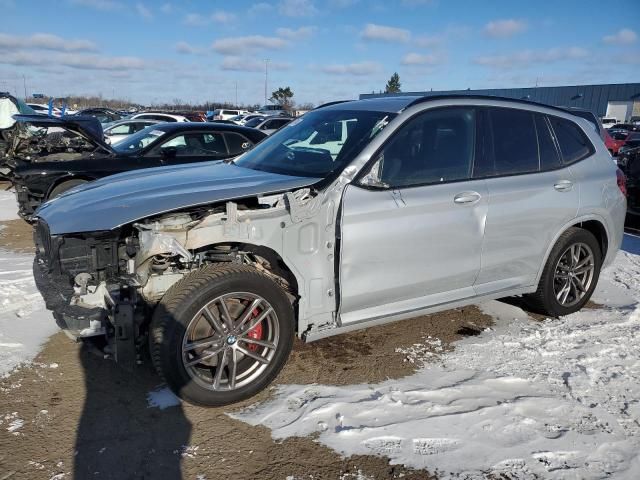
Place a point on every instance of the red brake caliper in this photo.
(255, 332)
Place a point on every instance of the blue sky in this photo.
(149, 51)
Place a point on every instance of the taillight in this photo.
(622, 182)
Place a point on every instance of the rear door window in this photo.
(574, 144)
(515, 146)
(549, 157)
(237, 143)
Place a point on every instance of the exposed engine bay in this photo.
(131, 268)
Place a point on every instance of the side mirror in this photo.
(168, 152)
(372, 178)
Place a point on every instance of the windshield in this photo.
(139, 140)
(317, 144)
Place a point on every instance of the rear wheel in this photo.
(221, 334)
(64, 186)
(570, 274)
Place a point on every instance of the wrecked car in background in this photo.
(42, 166)
(9, 128)
(217, 266)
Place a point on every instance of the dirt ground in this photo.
(85, 417)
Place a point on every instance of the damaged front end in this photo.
(106, 284)
(38, 138)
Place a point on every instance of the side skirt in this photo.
(313, 335)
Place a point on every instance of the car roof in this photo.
(188, 126)
(395, 104)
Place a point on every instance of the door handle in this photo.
(563, 186)
(466, 198)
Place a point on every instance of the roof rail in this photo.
(328, 104)
(428, 98)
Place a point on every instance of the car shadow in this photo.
(119, 436)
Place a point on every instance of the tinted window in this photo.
(237, 143)
(549, 158)
(515, 146)
(573, 143)
(436, 146)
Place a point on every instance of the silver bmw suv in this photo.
(357, 214)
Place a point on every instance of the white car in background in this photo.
(608, 122)
(121, 129)
(271, 124)
(226, 114)
(160, 117)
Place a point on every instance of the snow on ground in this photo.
(25, 324)
(8, 206)
(525, 399)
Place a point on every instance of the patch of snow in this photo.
(525, 399)
(187, 451)
(162, 398)
(25, 324)
(8, 206)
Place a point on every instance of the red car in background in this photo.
(614, 139)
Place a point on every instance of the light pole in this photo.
(266, 78)
(236, 94)
(24, 83)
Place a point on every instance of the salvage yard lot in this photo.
(480, 391)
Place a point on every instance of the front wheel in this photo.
(221, 334)
(570, 274)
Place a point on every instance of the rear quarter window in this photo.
(574, 144)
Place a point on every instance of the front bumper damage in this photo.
(114, 323)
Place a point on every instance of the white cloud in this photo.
(45, 41)
(623, 36)
(221, 16)
(358, 68)
(297, 8)
(293, 34)
(188, 49)
(166, 8)
(81, 61)
(240, 45)
(505, 28)
(144, 11)
(416, 59)
(199, 20)
(244, 64)
(385, 34)
(104, 5)
(528, 57)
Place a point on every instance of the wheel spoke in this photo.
(579, 285)
(262, 343)
(257, 320)
(212, 320)
(205, 342)
(219, 369)
(204, 357)
(248, 311)
(233, 369)
(224, 312)
(255, 356)
(564, 292)
(575, 255)
(584, 269)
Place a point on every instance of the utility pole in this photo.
(236, 94)
(266, 78)
(24, 83)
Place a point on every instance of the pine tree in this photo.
(393, 85)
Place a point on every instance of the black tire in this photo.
(544, 300)
(181, 304)
(64, 186)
